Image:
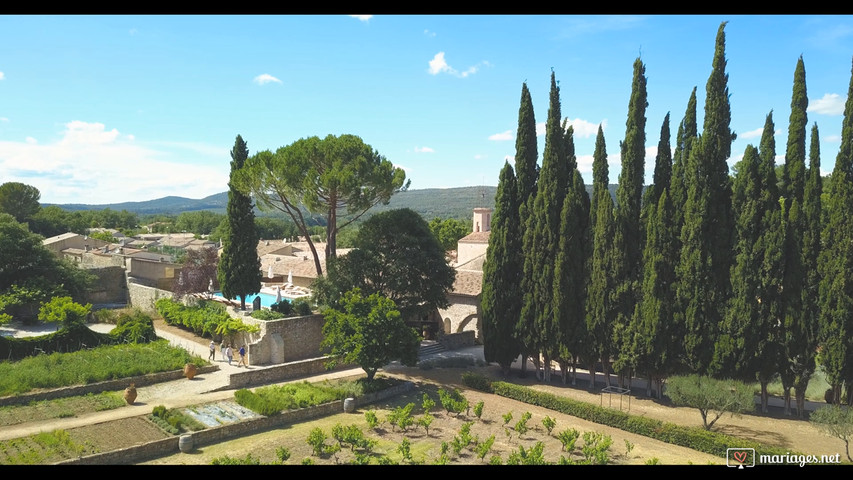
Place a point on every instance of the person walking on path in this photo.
(212, 355)
(222, 349)
(242, 353)
(229, 354)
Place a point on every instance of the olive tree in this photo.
(712, 397)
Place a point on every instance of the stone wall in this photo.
(144, 297)
(463, 315)
(169, 446)
(453, 341)
(110, 286)
(285, 340)
(280, 373)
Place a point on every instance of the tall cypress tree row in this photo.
(527, 175)
(836, 264)
(239, 271)
(771, 273)
(801, 344)
(627, 247)
(501, 274)
(793, 189)
(570, 271)
(600, 310)
(656, 335)
(707, 233)
(541, 240)
(685, 137)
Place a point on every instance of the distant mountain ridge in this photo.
(430, 203)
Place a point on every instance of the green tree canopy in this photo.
(19, 200)
(448, 231)
(368, 331)
(397, 256)
(338, 177)
(712, 397)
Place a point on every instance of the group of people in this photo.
(228, 353)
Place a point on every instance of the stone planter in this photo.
(130, 394)
(190, 370)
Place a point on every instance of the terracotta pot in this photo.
(130, 394)
(190, 370)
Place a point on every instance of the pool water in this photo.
(266, 299)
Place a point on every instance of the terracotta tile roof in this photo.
(468, 283)
(476, 237)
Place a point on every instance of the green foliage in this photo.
(507, 417)
(427, 404)
(425, 421)
(453, 401)
(405, 449)
(532, 456)
(484, 448)
(133, 326)
(595, 448)
(282, 454)
(64, 311)
(317, 440)
(402, 417)
(713, 398)
(249, 459)
(368, 332)
(568, 438)
(48, 445)
(448, 231)
(19, 200)
(652, 461)
(371, 419)
(92, 365)
(477, 381)
(549, 423)
(521, 426)
(264, 314)
(416, 276)
(352, 436)
(174, 421)
(478, 409)
(273, 399)
(239, 268)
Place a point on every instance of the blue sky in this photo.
(102, 109)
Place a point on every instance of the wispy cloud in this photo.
(2, 76)
(363, 18)
(582, 128)
(830, 104)
(507, 135)
(4, 119)
(756, 133)
(265, 79)
(439, 65)
(428, 33)
(424, 150)
(95, 165)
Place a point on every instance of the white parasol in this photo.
(290, 277)
(269, 272)
(277, 294)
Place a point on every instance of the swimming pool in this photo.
(266, 299)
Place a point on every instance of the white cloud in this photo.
(363, 18)
(2, 76)
(265, 78)
(830, 104)
(4, 119)
(439, 65)
(424, 150)
(507, 135)
(91, 164)
(756, 133)
(428, 33)
(582, 128)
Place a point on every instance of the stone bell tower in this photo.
(482, 219)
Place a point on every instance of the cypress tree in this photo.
(570, 271)
(627, 247)
(541, 240)
(656, 334)
(707, 232)
(600, 310)
(502, 274)
(793, 189)
(802, 333)
(836, 263)
(239, 271)
(527, 175)
(684, 139)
